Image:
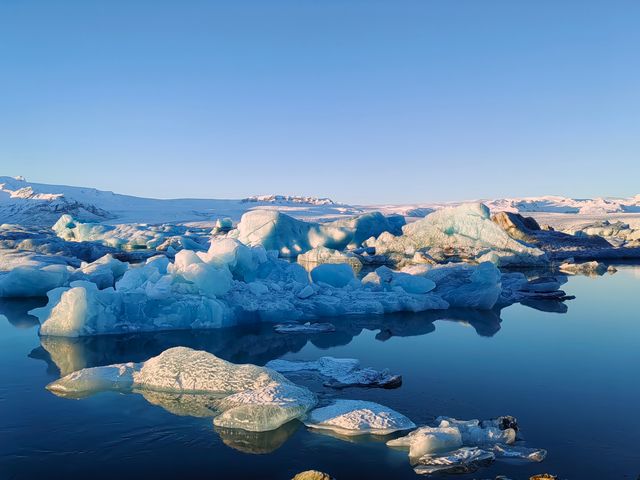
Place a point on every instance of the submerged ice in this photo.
(340, 372)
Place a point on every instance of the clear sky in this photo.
(362, 101)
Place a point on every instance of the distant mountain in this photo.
(558, 204)
(31, 203)
(285, 199)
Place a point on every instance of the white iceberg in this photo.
(252, 398)
(465, 232)
(357, 417)
(290, 237)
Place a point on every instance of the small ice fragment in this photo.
(304, 327)
(524, 453)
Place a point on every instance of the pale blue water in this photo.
(572, 380)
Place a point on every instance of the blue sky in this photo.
(362, 101)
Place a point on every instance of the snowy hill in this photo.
(558, 204)
(31, 203)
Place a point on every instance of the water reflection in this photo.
(255, 344)
(257, 442)
(16, 310)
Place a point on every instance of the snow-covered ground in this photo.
(30, 203)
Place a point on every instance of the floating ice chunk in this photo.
(320, 255)
(465, 232)
(429, 440)
(264, 408)
(336, 275)
(523, 453)
(463, 460)
(476, 433)
(343, 372)
(586, 268)
(357, 417)
(254, 398)
(118, 377)
(304, 328)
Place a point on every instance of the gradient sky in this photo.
(362, 101)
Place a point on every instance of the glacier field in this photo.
(85, 282)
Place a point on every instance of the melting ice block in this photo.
(343, 372)
(357, 417)
(252, 398)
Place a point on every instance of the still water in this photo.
(570, 377)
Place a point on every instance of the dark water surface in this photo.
(572, 379)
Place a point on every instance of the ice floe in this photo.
(357, 417)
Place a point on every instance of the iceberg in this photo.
(250, 397)
(466, 233)
(341, 372)
(290, 237)
(130, 236)
(357, 417)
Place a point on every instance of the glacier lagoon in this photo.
(569, 377)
